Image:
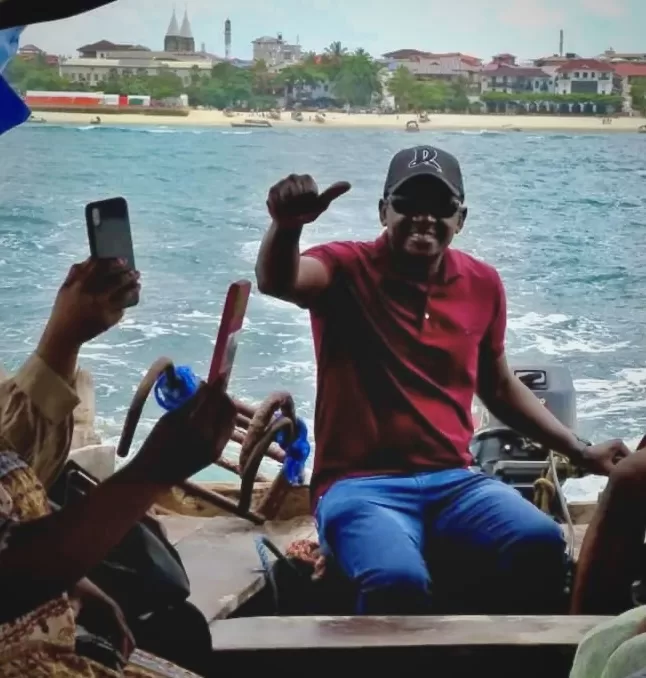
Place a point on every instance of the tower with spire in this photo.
(179, 38)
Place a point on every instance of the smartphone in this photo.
(109, 234)
(226, 343)
(78, 485)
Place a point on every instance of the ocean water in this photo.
(561, 216)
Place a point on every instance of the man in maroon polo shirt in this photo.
(407, 330)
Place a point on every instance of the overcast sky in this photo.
(528, 28)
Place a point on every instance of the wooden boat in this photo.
(214, 527)
(412, 126)
(641, 129)
(249, 122)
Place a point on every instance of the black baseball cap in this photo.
(424, 161)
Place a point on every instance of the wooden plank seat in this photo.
(220, 557)
(514, 646)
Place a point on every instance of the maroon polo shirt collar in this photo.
(451, 267)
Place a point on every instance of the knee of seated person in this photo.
(541, 541)
(396, 576)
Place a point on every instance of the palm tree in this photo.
(336, 50)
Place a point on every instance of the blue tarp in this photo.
(13, 110)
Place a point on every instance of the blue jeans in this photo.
(488, 549)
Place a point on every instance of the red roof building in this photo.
(442, 66)
(584, 76)
(92, 50)
(583, 65)
(629, 69)
(510, 79)
(627, 74)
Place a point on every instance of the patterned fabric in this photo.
(36, 417)
(41, 644)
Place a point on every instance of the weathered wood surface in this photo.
(304, 633)
(296, 504)
(220, 557)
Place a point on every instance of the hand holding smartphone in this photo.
(109, 235)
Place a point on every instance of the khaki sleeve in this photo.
(36, 417)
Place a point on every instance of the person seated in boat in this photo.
(43, 555)
(406, 331)
(611, 560)
(37, 402)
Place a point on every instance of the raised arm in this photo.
(281, 271)
(37, 403)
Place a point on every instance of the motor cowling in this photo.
(504, 453)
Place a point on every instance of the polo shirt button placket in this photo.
(427, 323)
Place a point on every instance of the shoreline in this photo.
(342, 121)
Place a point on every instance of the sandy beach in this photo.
(199, 118)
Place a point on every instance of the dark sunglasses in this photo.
(412, 206)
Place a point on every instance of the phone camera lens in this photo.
(96, 216)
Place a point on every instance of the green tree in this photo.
(638, 96)
(165, 84)
(336, 51)
(430, 95)
(35, 74)
(357, 82)
(402, 86)
(295, 79)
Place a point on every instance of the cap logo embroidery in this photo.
(425, 156)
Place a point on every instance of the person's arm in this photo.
(75, 539)
(282, 272)
(36, 408)
(612, 551)
(37, 404)
(508, 399)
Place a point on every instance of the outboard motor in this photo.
(502, 452)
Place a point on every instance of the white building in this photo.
(584, 76)
(516, 80)
(275, 52)
(95, 71)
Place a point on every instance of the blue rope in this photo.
(296, 453)
(171, 398)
